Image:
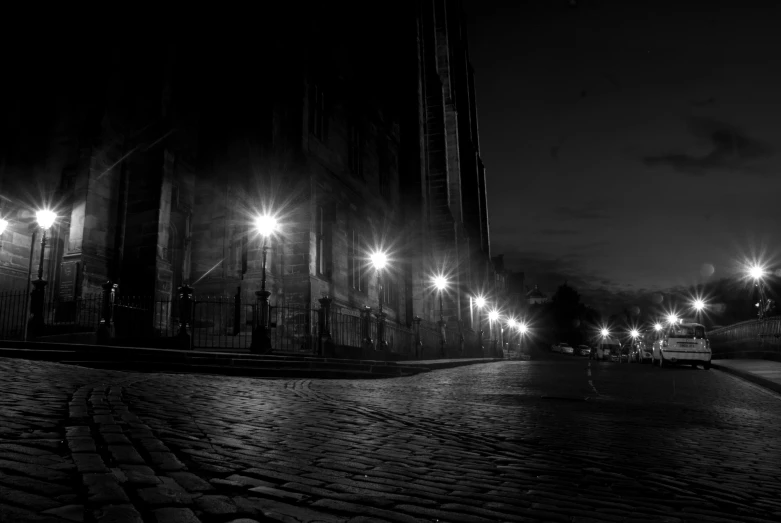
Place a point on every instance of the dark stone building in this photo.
(157, 154)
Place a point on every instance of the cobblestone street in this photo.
(557, 438)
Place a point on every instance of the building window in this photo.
(323, 238)
(355, 266)
(318, 119)
(355, 149)
(390, 292)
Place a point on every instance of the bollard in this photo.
(326, 346)
(185, 316)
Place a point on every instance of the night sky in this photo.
(629, 144)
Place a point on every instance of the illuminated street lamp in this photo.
(657, 326)
(379, 260)
(758, 273)
(672, 319)
(634, 333)
(266, 226)
(441, 284)
(604, 332)
(698, 305)
(45, 219)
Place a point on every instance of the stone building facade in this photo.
(357, 137)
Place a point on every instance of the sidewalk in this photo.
(224, 363)
(766, 373)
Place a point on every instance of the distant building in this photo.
(536, 297)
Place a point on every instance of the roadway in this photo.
(556, 438)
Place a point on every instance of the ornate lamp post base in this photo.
(36, 325)
(261, 339)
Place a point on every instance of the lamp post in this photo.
(480, 303)
(379, 260)
(758, 274)
(441, 284)
(45, 219)
(266, 226)
(513, 325)
(522, 329)
(493, 318)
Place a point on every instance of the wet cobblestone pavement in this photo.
(557, 438)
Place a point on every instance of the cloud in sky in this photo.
(731, 149)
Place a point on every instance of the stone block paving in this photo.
(507, 441)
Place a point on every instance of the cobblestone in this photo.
(466, 444)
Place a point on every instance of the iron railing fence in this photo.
(60, 317)
(12, 314)
(227, 323)
(768, 332)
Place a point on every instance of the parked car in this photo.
(584, 350)
(683, 343)
(608, 349)
(555, 347)
(563, 347)
(623, 355)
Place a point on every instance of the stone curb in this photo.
(749, 376)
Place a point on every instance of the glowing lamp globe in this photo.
(658, 326)
(379, 259)
(266, 225)
(756, 272)
(605, 333)
(3, 225)
(635, 333)
(480, 302)
(511, 323)
(699, 304)
(45, 218)
(493, 315)
(523, 328)
(440, 282)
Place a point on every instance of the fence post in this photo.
(366, 327)
(418, 342)
(185, 315)
(325, 342)
(106, 327)
(237, 312)
(261, 342)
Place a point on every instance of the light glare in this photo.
(45, 218)
(699, 304)
(379, 259)
(440, 282)
(523, 328)
(493, 315)
(266, 225)
(658, 326)
(605, 333)
(3, 225)
(480, 302)
(635, 333)
(756, 272)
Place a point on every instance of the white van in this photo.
(608, 349)
(683, 343)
